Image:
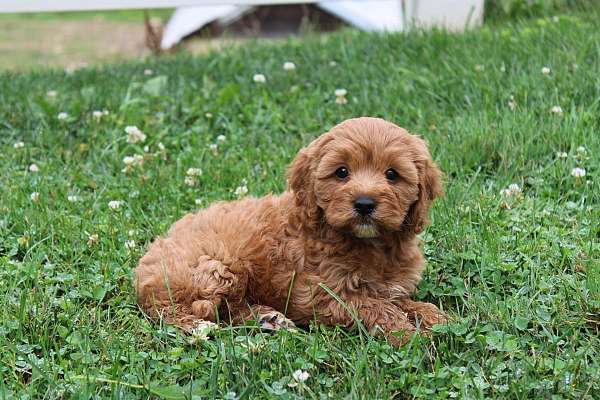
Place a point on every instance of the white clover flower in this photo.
(512, 190)
(221, 138)
(146, 149)
(62, 116)
(148, 72)
(578, 172)
(514, 187)
(512, 104)
(546, 71)
(19, 145)
(130, 244)
(51, 93)
(242, 190)
(214, 148)
(581, 150)
(35, 197)
(190, 180)
(199, 335)
(97, 114)
(479, 67)
(332, 63)
(131, 232)
(162, 151)
(300, 376)
(340, 92)
(289, 66)
(208, 115)
(202, 330)
(34, 168)
(198, 201)
(134, 135)
(131, 162)
(192, 176)
(340, 96)
(556, 110)
(259, 78)
(194, 172)
(561, 154)
(502, 68)
(93, 239)
(115, 204)
(72, 198)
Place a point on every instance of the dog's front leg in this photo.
(378, 316)
(267, 317)
(423, 315)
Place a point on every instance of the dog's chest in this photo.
(360, 269)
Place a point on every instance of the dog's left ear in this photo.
(430, 186)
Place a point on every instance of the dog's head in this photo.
(366, 177)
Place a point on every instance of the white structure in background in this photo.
(368, 15)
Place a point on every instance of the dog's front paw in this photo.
(274, 321)
(425, 315)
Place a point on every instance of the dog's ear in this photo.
(430, 186)
(299, 175)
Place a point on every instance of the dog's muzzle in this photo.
(365, 230)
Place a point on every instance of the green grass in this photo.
(518, 276)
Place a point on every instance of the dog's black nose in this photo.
(364, 205)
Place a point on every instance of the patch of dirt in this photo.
(68, 43)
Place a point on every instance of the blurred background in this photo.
(76, 39)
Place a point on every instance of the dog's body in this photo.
(341, 228)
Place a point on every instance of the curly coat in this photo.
(279, 252)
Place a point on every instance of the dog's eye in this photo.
(342, 172)
(391, 175)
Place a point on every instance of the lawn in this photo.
(515, 267)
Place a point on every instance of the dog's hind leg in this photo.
(181, 288)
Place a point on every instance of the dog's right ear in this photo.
(299, 176)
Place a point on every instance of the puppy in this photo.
(339, 245)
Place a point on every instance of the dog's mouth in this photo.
(365, 229)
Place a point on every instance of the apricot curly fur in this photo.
(234, 257)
